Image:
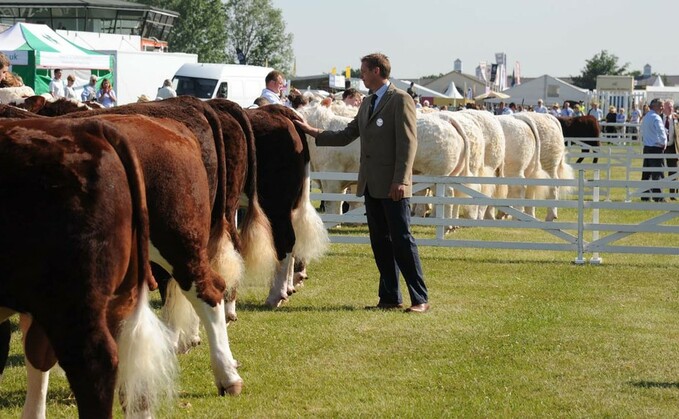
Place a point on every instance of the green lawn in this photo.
(511, 334)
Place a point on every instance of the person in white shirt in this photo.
(167, 91)
(274, 83)
(69, 92)
(57, 86)
(634, 118)
(566, 111)
(596, 112)
(90, 90)
(541, 108)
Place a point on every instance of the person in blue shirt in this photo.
(654, 136)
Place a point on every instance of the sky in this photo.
(425, 37)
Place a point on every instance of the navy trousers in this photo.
(394, 249)
(655, 163)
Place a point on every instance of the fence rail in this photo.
(588, 233)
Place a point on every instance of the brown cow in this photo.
(582, 127)
(179, 209)
(283, 185)
(74, 255)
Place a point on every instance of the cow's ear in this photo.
(34, 103)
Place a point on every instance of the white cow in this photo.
(522, 157)
(552, 153)
(441, 151)
(494, 151)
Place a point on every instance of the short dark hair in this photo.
(350, 92)
(273, 75)
(380, 61)
(655, 102)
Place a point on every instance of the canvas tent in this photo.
(434, 97)
(34, 49)
(548, 88)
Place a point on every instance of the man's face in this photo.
(667, 107)
(371, 77)
(276, 85)
(57, 74)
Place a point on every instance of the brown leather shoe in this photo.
(419, 308)
(385, 306)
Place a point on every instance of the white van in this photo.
(239, 83)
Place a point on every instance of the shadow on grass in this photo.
(655, 384)
(15, 399)
(15, 361)
(260, 307)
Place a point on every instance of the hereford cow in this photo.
(179, 208)
(74, 255)
(283, 185)
(583, 127)
(552, 153)
(225, 250)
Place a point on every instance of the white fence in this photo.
(595, 196)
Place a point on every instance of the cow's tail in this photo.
(146, 359)
(311, 237)
(565, 171)
(259, 253)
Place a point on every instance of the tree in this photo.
(601, 64)
(199, 28)
(257, 35)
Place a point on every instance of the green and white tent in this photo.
(34, 49)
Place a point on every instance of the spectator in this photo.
(654, 135)
(503, 110)
(90, 90)
(555, 110)
(57, 86)
(670, 123)
(512, 107)
(541, 108)
(274, 84)
(352, 97)
(106, 96)
(411, 89)
(69, 91)
(611, 118)
(167, 91)
(418, 105)
(595, 111)
(297, 99)
(577, 110)
(621, 118)
(4, 66)
(425, 104)
(261, 101)
(566, 111)
(387, 127)
(634, 118)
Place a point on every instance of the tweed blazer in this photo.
(388, 143)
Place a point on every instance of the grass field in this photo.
(511, 334)
(524, 334)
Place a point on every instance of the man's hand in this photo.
(308, 129)
(397, 191)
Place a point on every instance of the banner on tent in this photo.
(58, 60)
(17, 57)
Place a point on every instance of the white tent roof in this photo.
(51, 49)
(451, 91)
(658, 82)
(548, 88)
(419, 89)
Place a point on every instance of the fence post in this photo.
(440, 213)
(595, 259)
(580, 259)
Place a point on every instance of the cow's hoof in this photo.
(231, 317)
(233, 390)
(299, 284)
(298, 278)
(452, 229)
(275, 303)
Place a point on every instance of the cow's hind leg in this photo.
(279, 289)
(223, 364)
